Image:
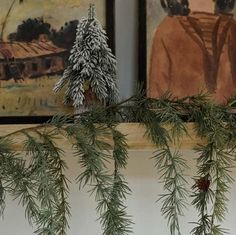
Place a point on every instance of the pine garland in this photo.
(37, 180)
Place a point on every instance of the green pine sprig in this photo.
(157, 116)
(214, 165)
(48, 168)
(115, 219)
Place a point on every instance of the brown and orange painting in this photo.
(191, 48)
(35, 41)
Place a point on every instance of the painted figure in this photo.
(194, 49)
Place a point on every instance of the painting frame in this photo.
(110, 29)
(188, 34)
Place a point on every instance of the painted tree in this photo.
(91, 73)
(65, 37)
(30, 30)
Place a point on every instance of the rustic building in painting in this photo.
(20, 60)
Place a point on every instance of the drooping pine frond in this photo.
(48, 168)
(38, 179)
(110, 190)
(115, 210)
(17, 181)
(155, 115)
(214, 165)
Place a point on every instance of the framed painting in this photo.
(188, 47)
(36, 38)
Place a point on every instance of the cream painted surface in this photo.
(143, 180)
(55, 12)
(202, 5)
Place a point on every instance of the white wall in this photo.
(126, 45)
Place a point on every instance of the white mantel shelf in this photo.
(135, 135)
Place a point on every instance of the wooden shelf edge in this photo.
(135, 134)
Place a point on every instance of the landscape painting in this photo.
(35, 41)
(189, 48)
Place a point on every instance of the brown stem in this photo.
(110, 107)
(6, 18)
(26, 130)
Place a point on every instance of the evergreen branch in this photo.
(92, 159)
(170, 165)
(57, 166)
(4, 150)
(19, 183)
(174, 198)
(214, 163)
(45, 185)
(16, 180)
(109, 190)
(222, 180)
(203, 195)
(47, 166)
(114, 219)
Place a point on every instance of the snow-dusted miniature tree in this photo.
(92, 66)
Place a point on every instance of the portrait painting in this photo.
(190, 48)
(36, 39)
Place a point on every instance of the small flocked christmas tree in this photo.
(91, 72)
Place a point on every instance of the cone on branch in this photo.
(203, 184)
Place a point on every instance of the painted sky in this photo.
(56, 12)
